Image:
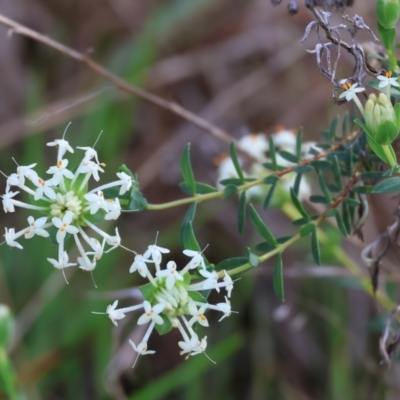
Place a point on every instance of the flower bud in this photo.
(382, 119)
(388, 12)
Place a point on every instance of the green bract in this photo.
(382, 119)
(388, 12)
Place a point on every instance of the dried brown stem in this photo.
(117, 81)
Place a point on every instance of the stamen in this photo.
(65, 131)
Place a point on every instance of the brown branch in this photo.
(117, 81)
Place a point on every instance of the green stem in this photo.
(7, 377)
(392, 60)
(389, 155)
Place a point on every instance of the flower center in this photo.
(66, 202)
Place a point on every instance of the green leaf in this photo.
(337, 173)
(241, 212)
(318, 199)
(315, 250)
(366, 189)
(298, 205)
(299, 142)
(307, 229)
(341, 225)
(165, 327)
(324, 187)
(322, 165)
(229, 190)
(390, 185)
(373, 175)
(271, 179)
(345, 125)
(260, 226)
(272, 154)
(269, 195)
(302, 169)
(351, 202)
(137, 201)
(231, 181)
(235, 160)
(288, 156)
(397, 113)
(380, 152)
(187, 239)
(187, 171)
(252, 258)
(387, 131)
(231, 263)
(333, 126)
(201, 188)
(297, 182)
(278, 277)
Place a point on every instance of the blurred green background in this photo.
(239, 64)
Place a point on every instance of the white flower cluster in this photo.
(67, 205)
(257, 146)
(173, 301)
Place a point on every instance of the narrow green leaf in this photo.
(201, 188)
(315, 250)
(269, 180)
(345, 125)
(337, 173)
(260, 226)
(187, 171)
(323, 186)
(346, 216)
(272, 154)
(288, 156)
(231, 181)
(322, 165)
(278, 277)
(318, 199)
(241, 212)
(390, 185)
(302, 169)
(333, 126)
(366, 189)
(269, 195)
(372, 175)
(341, 224)
(307, 229)
(229, 190)
(298, 205)
(187, 239)
(231, 263)
(252, 258)
(297, 183)
(349, 161)
(299, 142)
(235, 160)
(351, 202)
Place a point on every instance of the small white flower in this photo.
(224, 308)
(90, 153)
(139, 264)
(113, 313)
(10, 237)
(155, 252)
(197, 259)
(60, 171)
(63, 147)
(44, 187)
(113, 241)
(113, 209)
(36, 227)
(141, 348)
(229, 284)
(198, 315)
(97, 247)
(96, 201)
(151, 313)
(8, 204)
(126, 182)
(62, 263)
(171, 273)
(90, 167)
(64, 226)
(86, 264)
(350, 91)
(12, 180)
(255, 145)
(386, 80)
(193, 346)
(26, 171)
(211, 281)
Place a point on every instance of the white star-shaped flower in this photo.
(86, 264)
(350, 91)
(62, 263)
(90, 153)
(155, 252)
(229, 284)
(96, 201)
(197, 259)
(44, 188)
(171, 273)
(386, 80)
(141, 348)
(12, 180)
(60, 171)
(126, 182)
(113, 241)
(36, 227)
(97, 247)
(113, 209)
(64, 226)
(211, 281)
(8, 204)
(26, 171)
(139, 264)
(10, 237)
(225, 308)
(63, 147)
(90, 167)
(198, 315)
(113, 313)
(193, 346)
(151, 313)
